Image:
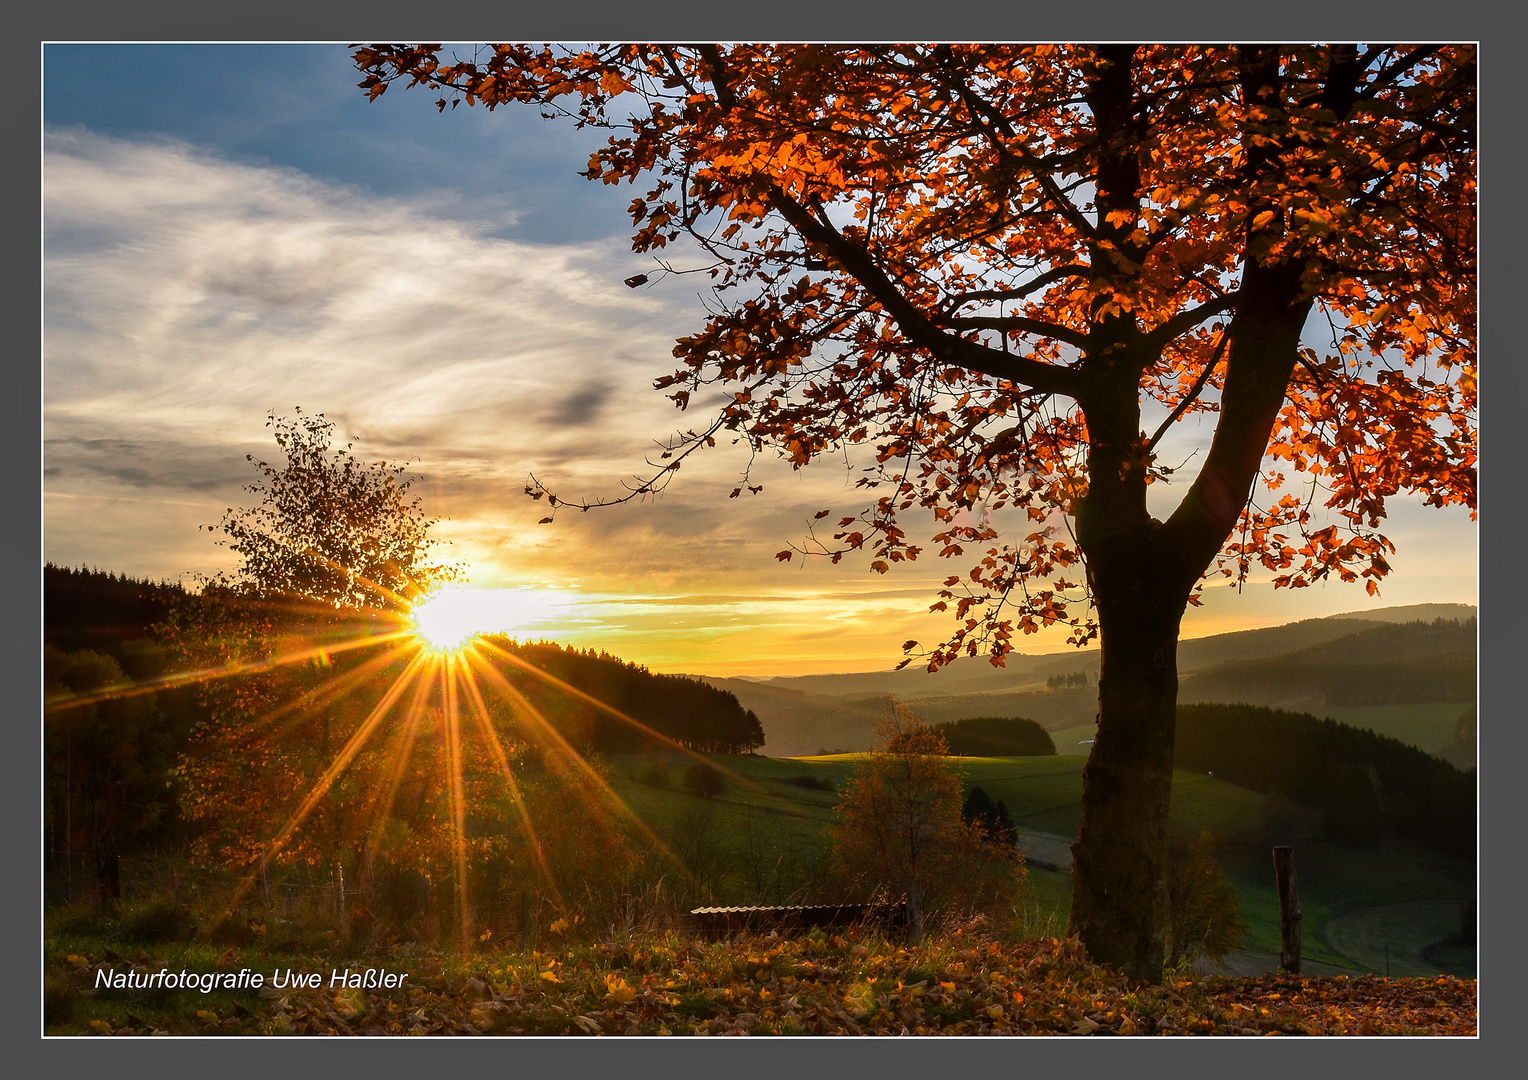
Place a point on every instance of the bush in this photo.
(703, 779)
(656, 773)
(1203, 909)
(991, 819)
(159, 920)
(816, 783)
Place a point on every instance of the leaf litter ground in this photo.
(832, 985)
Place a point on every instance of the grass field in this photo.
(1356, 900)
(1393, 902)
(1428, 726)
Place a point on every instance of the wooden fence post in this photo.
(914, 912)
(1289, 909)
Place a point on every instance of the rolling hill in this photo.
(1403, 671)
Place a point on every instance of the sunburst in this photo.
(445, 659)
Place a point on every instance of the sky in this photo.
(231, 231)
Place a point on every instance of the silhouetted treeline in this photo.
(996, 736)
(685, 710)
(119, 726)
(96, 609)
(1363, 783)
(1398, 664)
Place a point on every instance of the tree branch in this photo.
(1185, 321)
(1199, 384)
(922, 330)
(1050, 277)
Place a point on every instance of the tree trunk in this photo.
(1119, 862)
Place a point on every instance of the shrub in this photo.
(991, 819)
(1203, 909)
(656, 773)
(816, 783)
(703, 779)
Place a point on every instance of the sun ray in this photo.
(458, 801)
(485, 723)
(408, 732)
(321, 787)
(252, 667)
(569, 754)
(336, 686)
(454, 672)
(568, 688)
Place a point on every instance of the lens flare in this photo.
(451, 619)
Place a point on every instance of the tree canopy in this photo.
(984, 261)
(331, 528)
(1007, 273)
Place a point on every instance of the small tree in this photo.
(706, 780)
(331, 528)
(992, 818)
(331, 539)
(1204, 910)
(899, 824)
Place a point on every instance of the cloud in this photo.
(187, 295)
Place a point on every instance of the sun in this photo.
(444, 622)
(450, 619)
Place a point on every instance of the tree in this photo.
(705, 780)
(992, 818)
(898, 824)
(333, 541)
(1203, 910)
(332, 529)
(107, 757)
(1010, 272)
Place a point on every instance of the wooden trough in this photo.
(721, 922)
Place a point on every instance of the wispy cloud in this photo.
(187, 295)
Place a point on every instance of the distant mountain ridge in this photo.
(1304, 661)
(977, 675)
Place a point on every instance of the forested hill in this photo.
(1363, 783)
(96, 609)
(974, 675)
(1367, 660)
(1384, 665)
(114, 615)
(677, 707)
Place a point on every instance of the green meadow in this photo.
(1361, 903)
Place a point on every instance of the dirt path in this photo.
(1048, 851)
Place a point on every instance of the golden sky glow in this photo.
(452, 616)
(186, 294)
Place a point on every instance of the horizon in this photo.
(266, 245)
